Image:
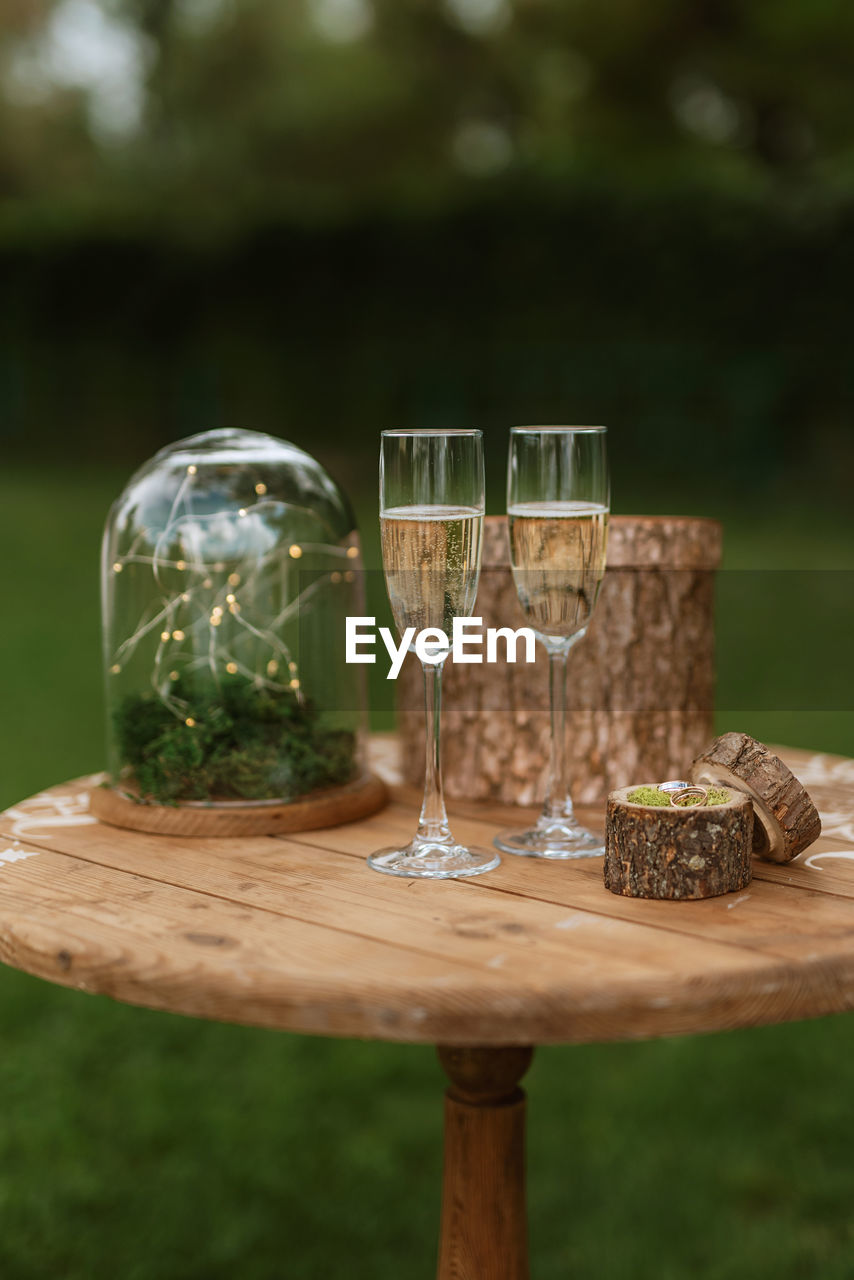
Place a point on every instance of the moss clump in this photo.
(233, 742)
(652, 795)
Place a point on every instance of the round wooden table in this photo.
(297, 933)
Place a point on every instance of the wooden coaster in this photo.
(329, 807)
(788, 821)
(665, 851)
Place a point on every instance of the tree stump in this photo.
(640, 688)
(788, 820)
(696, 851)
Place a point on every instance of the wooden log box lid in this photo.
(634, 542)
(787, 821)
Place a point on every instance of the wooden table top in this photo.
(297, 933)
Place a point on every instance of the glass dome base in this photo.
(328, 807)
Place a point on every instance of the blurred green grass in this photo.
(149, 1147)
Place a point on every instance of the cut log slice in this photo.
(788, 819)
(698, 851)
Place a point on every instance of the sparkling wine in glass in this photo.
(557, 510)
(431, 521)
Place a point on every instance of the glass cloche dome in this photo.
(230, 563)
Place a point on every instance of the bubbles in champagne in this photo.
(431, 557)
(557, 550)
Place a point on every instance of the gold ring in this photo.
(678, 798)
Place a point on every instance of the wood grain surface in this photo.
(296, 932)
(484, 1226)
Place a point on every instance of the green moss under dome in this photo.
(235, 742)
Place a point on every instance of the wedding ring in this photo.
(674, 785)
(677, 798)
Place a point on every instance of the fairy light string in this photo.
(209, 622)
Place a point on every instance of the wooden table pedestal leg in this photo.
(484, 1224)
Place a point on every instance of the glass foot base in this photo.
(433, 861)
(557, 840)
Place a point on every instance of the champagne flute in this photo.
(557, 509)
(431, 520)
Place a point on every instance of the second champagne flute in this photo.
(557, 510)
(431, 519)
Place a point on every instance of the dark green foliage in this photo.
(243, 743)
(752, 100)
(758, 384)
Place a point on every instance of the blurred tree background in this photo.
(320, 218)
(325, 217)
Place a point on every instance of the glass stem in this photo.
(433, 823)
(558, 803)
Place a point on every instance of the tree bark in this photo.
(698, 851)
(640, 688)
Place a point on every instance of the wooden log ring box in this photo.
(700, 851)
(695, 851)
